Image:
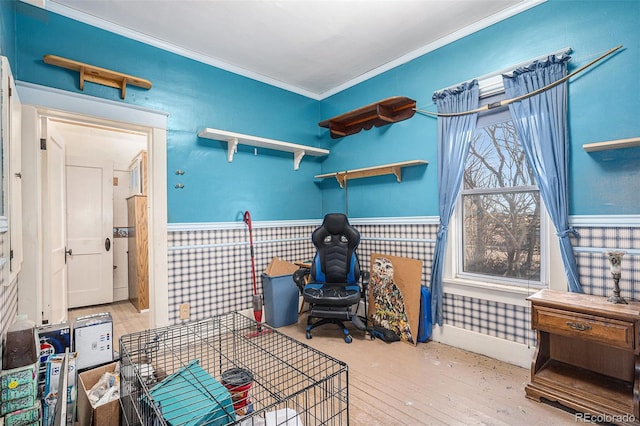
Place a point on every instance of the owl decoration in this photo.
(388, 301)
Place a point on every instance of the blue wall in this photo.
(603, 105)
(7, 30)
(195, 96)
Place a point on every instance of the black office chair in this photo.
(334, 284)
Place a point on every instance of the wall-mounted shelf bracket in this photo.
(232, 148)
(235, 139)
(386, 111)
(615, 144)
(98, 75)
(297, 158)
(385, 169)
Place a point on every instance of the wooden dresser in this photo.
(587, 354)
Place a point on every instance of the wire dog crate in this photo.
(224, 371)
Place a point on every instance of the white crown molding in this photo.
(161, 44)
(605, 221)
(152, 41)
(480, 25)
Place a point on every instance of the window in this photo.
(499, 207)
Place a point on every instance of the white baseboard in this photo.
(500, 349)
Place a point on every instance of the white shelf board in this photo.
(235, 139)
(616, 144)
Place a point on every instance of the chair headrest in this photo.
(335, 223)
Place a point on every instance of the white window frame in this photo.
(479, 277)
(485, 287)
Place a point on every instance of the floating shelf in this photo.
(617, 144)
(235, 139)
(385, 169)
(386, 111)
(98, 75)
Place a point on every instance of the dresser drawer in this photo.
(613, 332)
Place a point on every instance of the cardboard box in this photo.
(93, 340)
(104, 415)
(54, 339)
(278, 267)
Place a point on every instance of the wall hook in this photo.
(179, 172)
(179, 186)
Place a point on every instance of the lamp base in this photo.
(617, 299)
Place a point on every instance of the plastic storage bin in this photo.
(281, 300)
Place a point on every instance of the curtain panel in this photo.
(541, 124)
(454, 138)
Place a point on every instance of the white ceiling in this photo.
(311, 47)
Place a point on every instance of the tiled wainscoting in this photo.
(593, 268)
(502, 320)
(210, 266)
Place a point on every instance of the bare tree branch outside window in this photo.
(501, 207)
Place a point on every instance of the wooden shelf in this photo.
(385, 169)
(386, 111)
(616, 144)
(98, 75)
(235, 139)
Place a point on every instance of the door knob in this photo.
(67, 252)
(107, 244)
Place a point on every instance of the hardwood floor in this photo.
(126, 319)
(402, 384)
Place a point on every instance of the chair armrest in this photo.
(300, 277)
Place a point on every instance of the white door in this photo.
(54, 232)
(89, 231)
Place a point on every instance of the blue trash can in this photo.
(281, 300)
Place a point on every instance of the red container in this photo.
(238, 381)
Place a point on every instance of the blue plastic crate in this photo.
(192, 397)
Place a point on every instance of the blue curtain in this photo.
(454, 138)
(541, 123)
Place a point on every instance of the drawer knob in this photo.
(578, 326)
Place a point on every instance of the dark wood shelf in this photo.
(386, 111)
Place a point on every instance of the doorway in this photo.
(98, 161)
(42, 103)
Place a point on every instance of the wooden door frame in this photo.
(89, 110)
